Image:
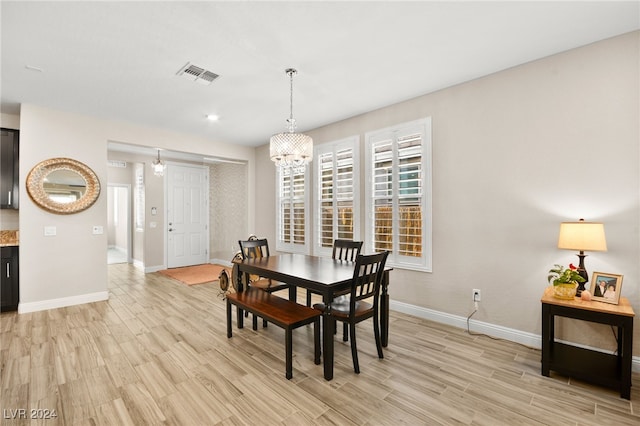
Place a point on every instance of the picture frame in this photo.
(606, 287)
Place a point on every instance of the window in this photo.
(138, 196)
(337, 207)
(398, 193)
(292, 211)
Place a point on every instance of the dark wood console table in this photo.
(610, 370)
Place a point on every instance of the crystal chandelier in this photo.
(290, 149)
(158, 166)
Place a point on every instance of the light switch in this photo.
(154, 211)
(152, 224)
(49, 231)
(97, 230)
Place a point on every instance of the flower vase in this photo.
(565, 291)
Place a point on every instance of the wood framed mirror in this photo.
(63, 185)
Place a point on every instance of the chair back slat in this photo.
(251, 249)
(367, 277)
(346, 250)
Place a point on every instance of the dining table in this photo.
(324, 275)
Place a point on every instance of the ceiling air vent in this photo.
(198, 74)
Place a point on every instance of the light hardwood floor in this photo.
(157, 353)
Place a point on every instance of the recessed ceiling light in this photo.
(213, 117)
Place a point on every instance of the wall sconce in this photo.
(582, 236)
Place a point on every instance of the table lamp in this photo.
(582, 236)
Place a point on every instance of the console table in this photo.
(613, 371)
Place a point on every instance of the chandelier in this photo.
(290, 149)
(158, 166)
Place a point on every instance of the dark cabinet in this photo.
(9, 178)
(10, 282)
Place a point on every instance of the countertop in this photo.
(9, 238)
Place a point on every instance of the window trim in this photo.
(424, 263)
(353, 143)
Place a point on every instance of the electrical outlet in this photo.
(476, 295)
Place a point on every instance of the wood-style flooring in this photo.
(157, 353)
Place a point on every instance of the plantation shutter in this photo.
(326, 199)
(398, 220)
(291, 210)
(410, 195)
(336, 193)
(344, 194)
(383, 195)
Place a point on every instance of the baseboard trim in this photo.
(62, 302)
(513, 335)
(150, 269)
(221, 262)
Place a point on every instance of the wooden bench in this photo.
(281, 312)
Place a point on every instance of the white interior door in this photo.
(187, 215)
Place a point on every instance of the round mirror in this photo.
(63, 185)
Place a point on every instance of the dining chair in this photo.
(255, 248)
(346, 250)
(365, 284)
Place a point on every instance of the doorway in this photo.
(118, 223)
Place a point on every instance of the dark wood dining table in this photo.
(325, 276)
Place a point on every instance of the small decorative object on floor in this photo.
(565, 281)
(223, 278)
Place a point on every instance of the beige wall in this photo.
(71, 267)
(228, 206)
(514, 154)
(72, 264)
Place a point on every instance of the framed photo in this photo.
(606, 287)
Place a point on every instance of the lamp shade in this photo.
(291, 149)
(582, 236)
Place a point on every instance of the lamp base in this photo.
(583, 273)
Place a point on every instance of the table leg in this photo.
(293, 293)
(547, 338)
(384, 310)
(327, 338)
(625, 339)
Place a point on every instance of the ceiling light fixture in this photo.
(212, 117)
(291, 149)
(158, 166)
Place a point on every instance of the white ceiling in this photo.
(119, 60)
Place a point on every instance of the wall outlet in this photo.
(476, 295)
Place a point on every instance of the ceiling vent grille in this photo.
(197, 74)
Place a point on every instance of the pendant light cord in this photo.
(291, 120)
